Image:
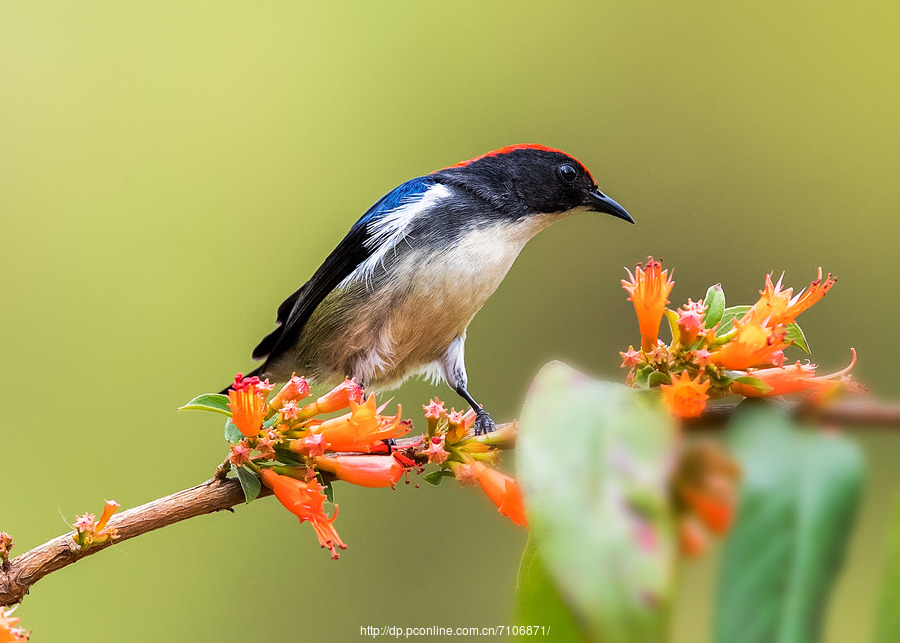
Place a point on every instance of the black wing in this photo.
(343, 260)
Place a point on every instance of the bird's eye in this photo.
(568, 173)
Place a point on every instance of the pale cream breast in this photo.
(382, 334)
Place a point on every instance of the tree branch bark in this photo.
(21, 573)
(844, 413)
(28, 568)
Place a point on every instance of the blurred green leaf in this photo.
(715, 305)
(797, 338)
(755, 382)
(538, 602)
(729, 316)
(887, 625)
(214, 402)
(232, 433)
(249, 483)
(592, 459)
(799, 495)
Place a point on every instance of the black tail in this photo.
(256, 371)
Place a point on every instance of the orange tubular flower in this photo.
(295, 389)
(704, 488)
(649, 289)
(685, 397)
(306, 501)
(753, 345)
(503, 492)
(362, 430)
(9, 633)
(334, 400)
(109, 508)
(793, 379)
(777, 306)
(248, 407)
(714, 512)
(372, 471)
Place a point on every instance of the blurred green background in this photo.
(170, 171)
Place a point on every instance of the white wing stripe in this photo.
(388, 230)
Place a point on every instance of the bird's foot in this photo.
(483, 422)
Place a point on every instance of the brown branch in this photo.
(217, 494)
(843, 413)
(18, 575)
(28, 568)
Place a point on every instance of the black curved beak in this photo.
(598, 202)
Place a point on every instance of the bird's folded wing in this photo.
(362, 241)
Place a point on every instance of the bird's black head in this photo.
(522, 180)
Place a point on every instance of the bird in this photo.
(395, 297)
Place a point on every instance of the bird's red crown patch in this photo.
(512, 148)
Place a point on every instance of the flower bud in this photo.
(295, 389)
(336, 399)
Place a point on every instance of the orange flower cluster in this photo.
(466, 457)
(9, 630)
(6, 544)
(290, 447)
(285, 445)
(89, 531)
(717, 351)
(704, 490)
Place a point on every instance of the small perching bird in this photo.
(395, 297)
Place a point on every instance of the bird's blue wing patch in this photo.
(343, 260)
(401, 195)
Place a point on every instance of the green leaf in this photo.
(642, 377)
(283, 454)
(755, 382)
(214, 402)
(435, 477)
(603, 526)
(329, 488)
(728, 317)
(656, 378)
(538, 602)
(799, 495)
(249, 483)
(797, 338)
(715, 305)
(717, 378)
(672, 318)
(232, 433)
(887, 624)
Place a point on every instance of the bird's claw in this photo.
(483, 423)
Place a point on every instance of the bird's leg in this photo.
(454, 367)
(483, 421)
